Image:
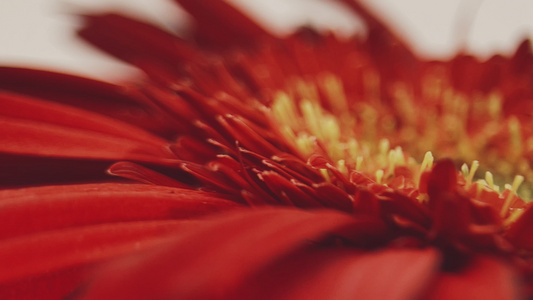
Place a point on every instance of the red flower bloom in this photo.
(248, 165)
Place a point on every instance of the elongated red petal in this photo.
(221, 24)
(138, 43)
(31, 210)
(24, 170)
(141, 174)
(442, 179)
(16, 106)
(47, 252)
(345, 274)
(39, 260)
(29, 137)
(120, 102)
(211, 261)
(65, 88)
(392, 55)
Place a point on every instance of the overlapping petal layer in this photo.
(336, 129)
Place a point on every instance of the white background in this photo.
(39, 33)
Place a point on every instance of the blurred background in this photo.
(40, 33)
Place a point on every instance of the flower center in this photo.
(359, 130)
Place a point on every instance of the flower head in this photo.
(249, 165)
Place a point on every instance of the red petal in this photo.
(64, 87)
(344, 274)
(30, 137)
(452, 216)
(286, 191)
(30, 210)
(23, 170)
(242, 131)
(520, 233)
(393, 56)
(119, 102)
(485, 278)
(49, 286)
(34, 255)
(405, 207)
(221, 24)
(214, 259)
(443, 178)
(136, 42)
(15, 106)
(141, 174)
(334, 197)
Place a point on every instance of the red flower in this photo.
(247, 165)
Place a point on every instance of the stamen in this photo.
(325, 174)
(427, 163)
(379, 176)
(306, 90)
(400, 158)
(312, 118)
(305, 143)
(479, 187)
(473, 168)
(396, 158)
(352, 146)
(465, 170)
(335, 91)
(384, 146)
(513, 216)
(341, 166)
(489, 179)
(358, 163)
(515, 136)
(518, 179)
(494, 105)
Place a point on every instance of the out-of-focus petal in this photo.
(218, 23)
(213, 259)
(120, 102)
(520, 233)
(484, 278)
(38, 261)
(15, 106)
(150, 48)
(30, 137)
(345, 274)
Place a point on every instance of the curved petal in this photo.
(222, 25)
(121, 102)
(15, 106)
(37, 260)
(393, 274)
(141, 174)
(138, 43)
(212, 260)
(30, 137)
(40, 209)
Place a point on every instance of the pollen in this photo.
(518, 180)
(360, 132)
(489, 179)
(469, 173)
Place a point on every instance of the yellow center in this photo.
(361, 133)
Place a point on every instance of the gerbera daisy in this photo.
(248, 165)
